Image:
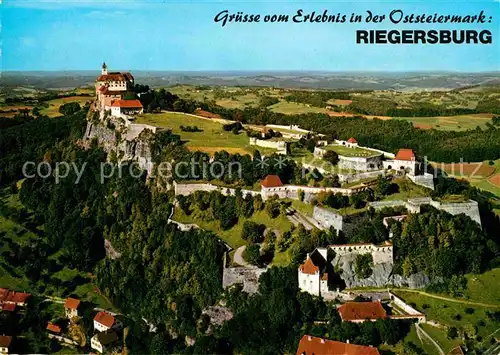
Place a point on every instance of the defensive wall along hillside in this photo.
(470, 208)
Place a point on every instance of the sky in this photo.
(183, 36)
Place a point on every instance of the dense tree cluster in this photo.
(30, 140)
(69, 108)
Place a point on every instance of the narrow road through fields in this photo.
(449, 299)
(421, 332)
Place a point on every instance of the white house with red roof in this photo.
(71, 307)
(310, 345)
(5, 344)
(104, 321)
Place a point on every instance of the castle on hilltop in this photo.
(113, 90)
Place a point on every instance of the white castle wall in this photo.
(280, 146)
(469, 208)
(380, 253)
(188, 189)
(426, 180)
(355, 163)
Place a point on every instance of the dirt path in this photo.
(450, 299)
(238, 257)
(421, 332)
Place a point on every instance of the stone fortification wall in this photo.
(360, 163)
(327, 218)
(280, 146)
(380, 253)
(188, 189)
(426, 180)
(469, 208)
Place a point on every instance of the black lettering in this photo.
(222, 16)
(362, 37)
(396, 16)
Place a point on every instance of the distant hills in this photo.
(316, 80)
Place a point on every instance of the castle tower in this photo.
(104, 70)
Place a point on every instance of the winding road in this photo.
(421, 332)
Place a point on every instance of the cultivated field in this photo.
(211, 139)
(450, 123)
(53, 109)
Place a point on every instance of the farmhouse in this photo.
(54, 328)
(5, 344)
(359, 312)
(103, 340)
(310, 345)
(71, 307)
(13, 297)
(103, 321)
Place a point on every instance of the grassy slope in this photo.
(445, 312)
(211, 139)
(15, 278)
(233, 235)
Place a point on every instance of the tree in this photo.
(69, 108)
(452, 333)
(252, 232)
(252, 254)
(363, 265)
(331, 156)
(383, 186)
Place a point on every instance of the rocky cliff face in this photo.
(112, 137)
(382, 275)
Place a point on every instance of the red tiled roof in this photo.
(405, 154)
(126, 103)
(308, 267)
(71, 303)
(272, 181)
(310, 345)
(9, 307)
(53, 328)
(13, 296)
(5, 341)
(352, 140)
(106, 91)
(105, 319)
(115, 77)
(352, 311)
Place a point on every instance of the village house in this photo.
(103, 340)
(359, 312)
(104, 321)
(54, 328)
(310, 345)
(13, 297)
(71, 307)
(5, 344)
